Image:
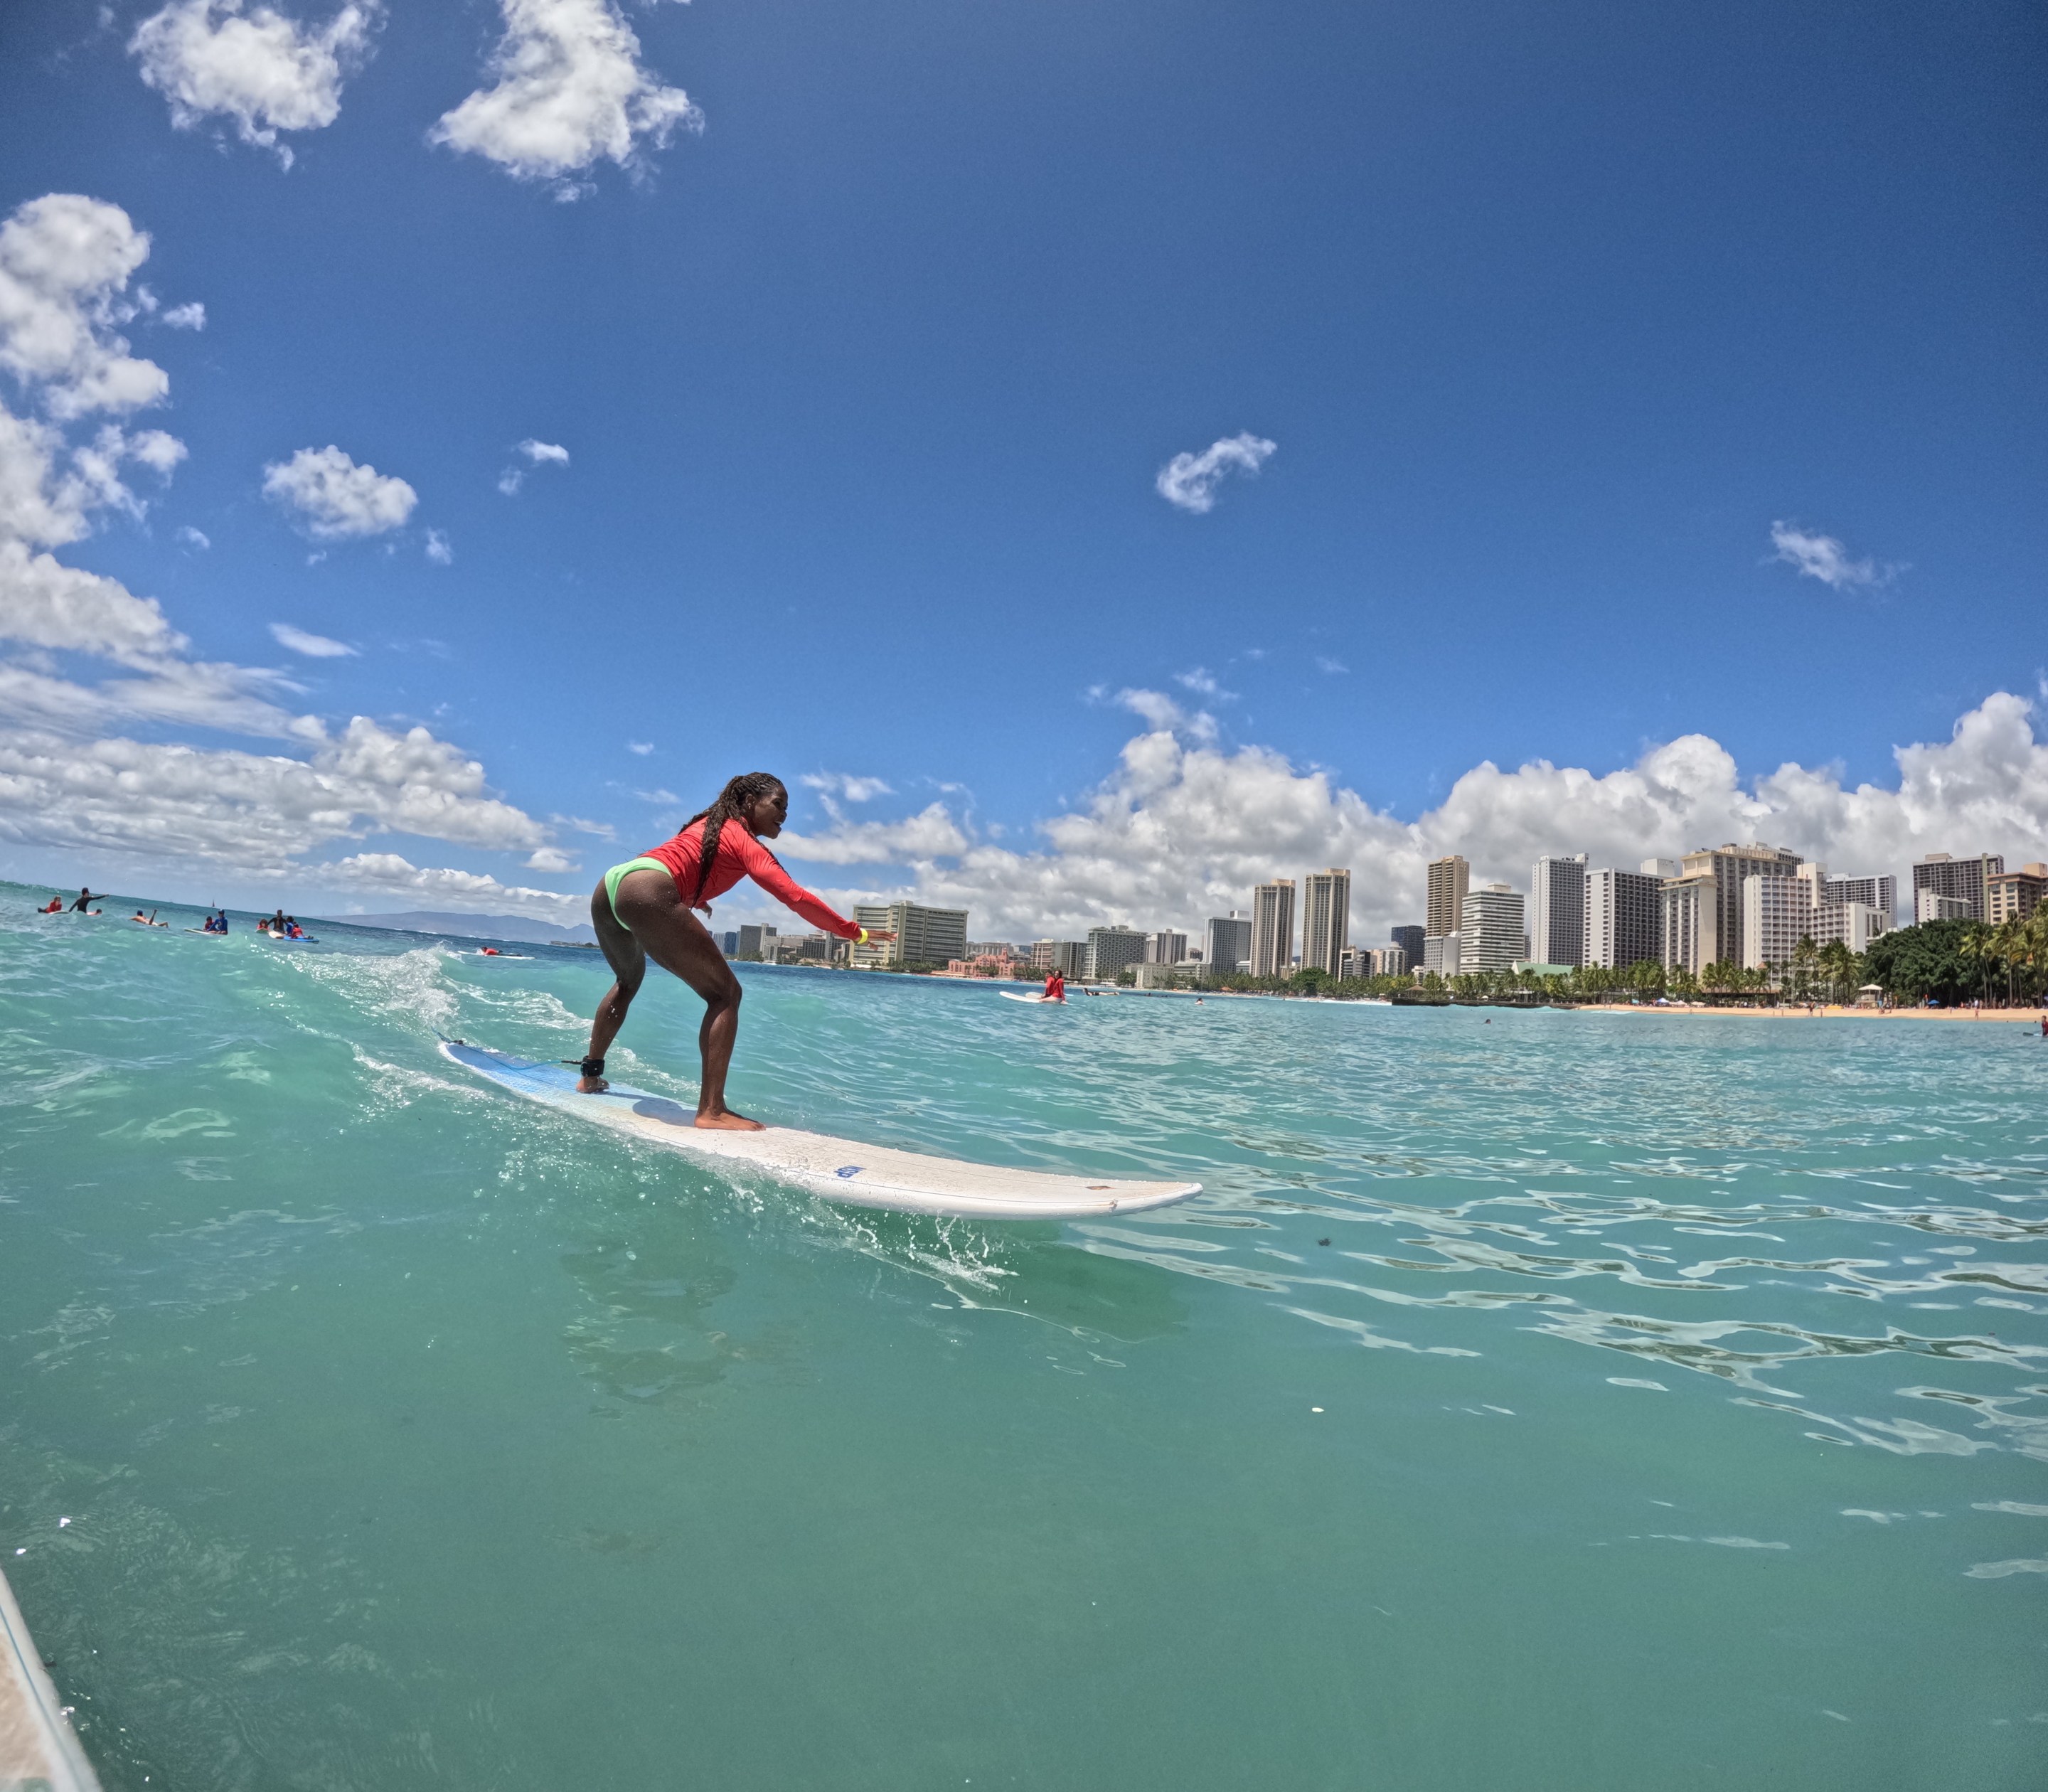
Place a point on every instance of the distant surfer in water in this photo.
(641, 910)
(83, 904)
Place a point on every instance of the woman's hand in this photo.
(873, 938)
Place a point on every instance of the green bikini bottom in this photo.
(611, 880)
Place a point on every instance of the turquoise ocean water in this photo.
(1540, 1403)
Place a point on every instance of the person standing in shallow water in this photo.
(641, 909)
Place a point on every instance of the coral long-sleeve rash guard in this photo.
(741, 855)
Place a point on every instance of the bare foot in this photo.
(725, 1120)
(591, 1085)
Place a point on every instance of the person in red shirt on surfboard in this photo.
(1056, 988)
(641, 909)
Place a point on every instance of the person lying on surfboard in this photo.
(641, 909)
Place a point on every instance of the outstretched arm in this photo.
(765, 870)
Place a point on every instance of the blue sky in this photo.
(1550, 316)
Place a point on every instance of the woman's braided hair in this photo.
(739, 795)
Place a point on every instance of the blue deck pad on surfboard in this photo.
(837, 1168)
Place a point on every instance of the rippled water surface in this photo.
(1542, 1401)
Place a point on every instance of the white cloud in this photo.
(932, 833)
(1160, 711)
(642, 747)
(850, 789)
(65, 261)
(230, 698)
(246, 811)
(386, 873)
(568, 90)
(537, 454)
(190, 316)
(438, 550)
(1182, 829)
(47, 607)
(1189, 481)
(659, 799)
(66, 781)
(44, 603)
(336, 499)
(49, 489)
(1334, 668)
(313, 646)
(1823, 557)
(33, 505)
(430, 787)
(1203, 682)
(193, 538)
(550, 859)
(257, 66)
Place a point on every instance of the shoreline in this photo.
(2025, 1017)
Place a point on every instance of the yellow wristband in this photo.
(862, 940)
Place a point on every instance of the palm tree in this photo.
(1978, 948)
(1805, 962)
(1837, 967)
(2032, 950)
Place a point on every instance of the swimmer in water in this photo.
(642, 910)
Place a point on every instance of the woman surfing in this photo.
(641, 910)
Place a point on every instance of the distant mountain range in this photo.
(514, 927)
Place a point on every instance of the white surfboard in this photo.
(837, 1169)
(1048, 1001)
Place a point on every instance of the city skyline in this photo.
(1701, 908)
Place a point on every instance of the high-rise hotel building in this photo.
(1227, 944)
(1450, 879)
(923, 936)
(1325, 919)
(1624, 919)
(2014, 895)
(1727, 866)
(1273, 928)
(1872, 893)
(1960, 880)
(1692, 921)
(1557, 910)
(1450, 882)
(1112, 949)
(1491, 933)
(1778, 912)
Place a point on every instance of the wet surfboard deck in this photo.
(837, 1168)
